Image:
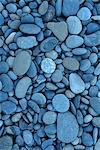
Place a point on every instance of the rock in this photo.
(96, 122)
(92, 27)
(11, 7)
(79, 51)
(27, 18)
(74, 41)
(48, 65)
(16, 117)
(58, 7)
(84, 13)
(87, 139)
(4, 67)
(10, 38)
(97, 145)
(34, 106)
(0, 85)
(22, 87)
(50, 129)
(29, 28)
(48, 44)
(71, 63)
(70, 7)
(21, 63)
(49, 14)
(57, 76)
(1, 19)
(97, 70)
(32, 71)
(68, 147)
(26, 42)
(85, 65)
(28, 137)
(43, 8)
(1, 42)
(49, 117)
(8, 107)
(59, 29)
(74, 25)
(39, 98)
(95, 104)
(6, 143)
(67, 127)
(3, 96)
(77, 85)
(60, 103)
(92, 39)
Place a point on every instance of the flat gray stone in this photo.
(67, 127)
(59, 29)
(21, 63)
(6, 143)
(22, 87)
(77, 85)
(71, 63)
(74, 25)
(95, 104)
(29, 28)
(26, 42)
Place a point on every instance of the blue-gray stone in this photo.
(3, 96)
(79, 51)
(1, 19)
(70, 7)
(29, 28)
(11, 7)
(1, 42)
(57, 76)
(93, 91)
(48, 44)
(87, 139)
(8, 107)
(50, 129)
(34, 106)
(39, 98)
(49, 14)
(32, 71)
(27, 18)
(28, 137)
(92, 27)
(43, 8)
(95, 104)
(85, 65)
(97, 70)
(26, 42)
(4, 67)
(67, 127)
(49, 117)
(96, 121)
(97, 145)
(84, 13)
(6, 143)
(58, 7)
(60, 103)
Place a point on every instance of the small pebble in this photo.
(6, 143)
(28, 138)
(84, 13)
(43, 8)
(57, 76)
(95, 104)
(49, 117)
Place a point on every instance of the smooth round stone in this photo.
(26, 42)
(8, 107)
(28, 137)
(71, 63)
(50, 129)
(68, 147)
(1, 20)
(16, 117)
(97, 70)
(27, 18)
(85, 65)
(48, 44)
(6, 143)
(21, 63)
(93, 58)
(70, 7)
(22, 87)
(87, 139)
(60, 103)
(32, 71)
(48, 65)
(10, 38)
(11, 7)
(3, 96)
(77, 85)
(52, 54)
(96, 121)
(1, 42)
(84, 13)
(67, 127)
(39, 98)
(74, 25)
(57, 76)
(43, 8)
(79, 51)
(59, 29)
(4, 67)
(29, 28)
(49, 117)
(97, 145)
(95, 104)
(6, 83)
(49, 14)
(74, 41)
(92, 27)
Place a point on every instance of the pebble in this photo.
(11, 7)
(79, 51)
(57, 76)
(70, 7)
(48, 44)
(71, 63)
(26, 42)
(28, 137)
(32, 71)
(8, 107)
(49, 14)
(43, 8)
(49, 117)
(4, 67)
(16, 117)
(59, 29)
(3, 96)
(10, 38)
(95, 104)
(74, 41)
(97, 70)
(67, 123)
(6, 143)
(85, 65)
(22, 87)
(1, 42)
(96, 121)
(21, 63)
(84, 13)
(1, 19)
(97, 145)
(87, 139)
(48, 65)
(77, 85)
(74, 25)
(29, 28)
(39, 98)
(58, 7)
(0, 85)
(60, 103)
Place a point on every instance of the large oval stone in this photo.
(67, 127)
(22, 63)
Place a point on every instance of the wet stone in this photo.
(39, 98)
(67, 123)
(43, 7)
(4, 67)
(28, 138)
(97, 70)
(32, 71)
(84, 13)
(97, 145)
(49, 117)
(57, 76)
(60, 103)
(3, 96)
(79, 51)
(6, 143)
(85, 65)
(48, 65)
(95, 104)
(87, 139)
